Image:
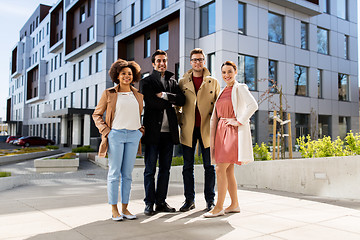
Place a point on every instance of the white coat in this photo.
(244, 105)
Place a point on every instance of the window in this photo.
(164, 4)
(79, 40)
(302, 124)
(65, 102)
(132, 14)
(47, 28)
(344, 126)
(50, 86)
(118, 27)
(55, 62)
(52, 64)
(89, 8)
(276, 28)
(81, 98)
(60, 78)
(320, 82)
(81, 69)
(72, 99)
(87, 98)
(342, 9)
(207, 19)
(247, 71)
(163, 38)
(324, 124)
(301, 82)
(61, 34)
(60, 103)
(82, 13)
(130, 50)
(323, 41)
(43, 51)
(54, 104)
(98, 65)
(343, 86)
(304, 35)
(211, 63)
(346, 47)
(326, 6)
(65, 80)
(177, 71)
(145, 10)
(90, 33)
(73, 44)
(90, 65)
(272, 76)
(147, 45)
(54, 84)
(74, 73)
(241, 18)
(60, 59)
(96, 93)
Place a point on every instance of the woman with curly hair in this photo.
(121, 132)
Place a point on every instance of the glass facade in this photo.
(207, 19)
(247, 71)
(323, 41)
(301, 81)
(343, 87)
(272, 76)
(304, 35)
(241, 18)
(275, 28)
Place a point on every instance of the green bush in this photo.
(5, 174)
(52, 147)
(261, 152)
(179, 161)
(83, 149)
(325, 147)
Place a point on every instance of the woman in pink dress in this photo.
(230, 137)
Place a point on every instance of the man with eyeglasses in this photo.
(161, 92)
(201, 91)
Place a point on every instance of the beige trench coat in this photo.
(245, 106)
(204, 99)
(108, 103)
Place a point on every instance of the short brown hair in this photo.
(196, 51)
(119, 64)
(229, 63)
(158, 52)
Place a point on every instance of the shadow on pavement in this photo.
(160, 226)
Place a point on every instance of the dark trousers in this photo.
(164, 151)
(188, 170)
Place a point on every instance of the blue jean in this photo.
(188, 170)
(164, 151)
(123, 146)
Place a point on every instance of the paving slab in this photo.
(73, 206)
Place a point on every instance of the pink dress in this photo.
(226, 138)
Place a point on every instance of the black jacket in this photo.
(155, 106)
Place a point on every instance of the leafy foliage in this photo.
(83, 149)
(261, 152)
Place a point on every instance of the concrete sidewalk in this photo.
(73, 206)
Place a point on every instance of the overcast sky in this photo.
(13, 15)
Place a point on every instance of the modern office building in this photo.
(309, 48)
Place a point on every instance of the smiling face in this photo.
(160, 63)
(228, 73)
(125, 76)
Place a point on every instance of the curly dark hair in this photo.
(119, 64)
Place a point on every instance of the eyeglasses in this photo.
(200, 60)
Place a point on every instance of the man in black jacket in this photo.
(161, 93)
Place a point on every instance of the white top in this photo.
(127, 114)
(165, 122)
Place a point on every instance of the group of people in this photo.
(218, 119)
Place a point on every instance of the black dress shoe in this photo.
(209, 206)
(188, 205)
(149, 210)
(164, 207)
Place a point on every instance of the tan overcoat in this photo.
(204, 99)
(108, 103)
